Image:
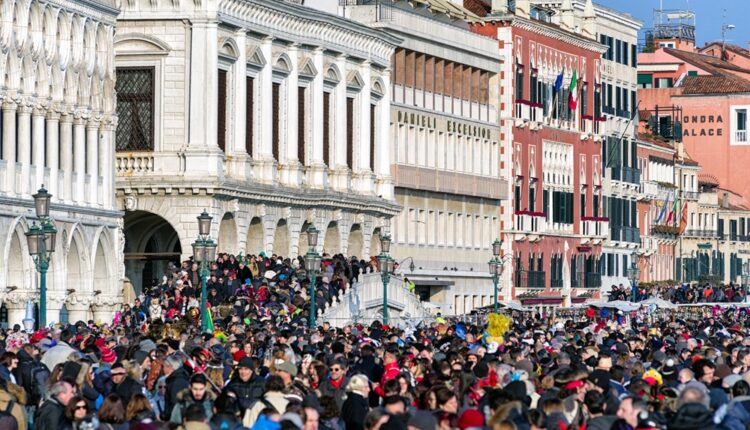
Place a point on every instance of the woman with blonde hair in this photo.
(356, 406)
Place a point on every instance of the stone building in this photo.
(445, 140)
(58, 123)
(271, 115)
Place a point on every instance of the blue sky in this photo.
(709, 16)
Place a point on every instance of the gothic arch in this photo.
(7, 10)
(21, 25)
(227, 241)
(101, 265)
(76, 260)
(19, 265)
(356, 241)
(36, 22)
(63, 39)
(50, 34)
(375, 242)
(303, 244)
(89, 47)
(151, 244)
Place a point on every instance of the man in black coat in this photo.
(31, 374)
(124, 386)
(177, 380)
(246, 384)
(50, 414)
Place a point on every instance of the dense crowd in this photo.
(262, 368)
(682, 293)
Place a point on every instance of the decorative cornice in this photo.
(549, 30)
(309, 26)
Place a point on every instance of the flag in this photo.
(683, 218)
(573, 101)
(210, 318)
(672, 212)
(559, 81)
(663, 210)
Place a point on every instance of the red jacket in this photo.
(390, 371)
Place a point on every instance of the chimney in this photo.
(725, 200)
(589, 20)
(567, 18)
(523, 8)
(499, 7)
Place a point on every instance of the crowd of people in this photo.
(682, 293)
(263, 368)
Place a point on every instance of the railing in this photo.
(735, 237)
(702, 233)
(593, 280)
(631, 175)
(556, 283)
(692, 195)
(626, 234)
(383, 8)
(740, 136)
(129, 163)
(532, 279)
(532, 222)
(649, 189)
(593, 226)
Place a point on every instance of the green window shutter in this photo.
(648, 78)
(690, 73)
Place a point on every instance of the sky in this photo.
(710, 14)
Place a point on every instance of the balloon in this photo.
(461, 331)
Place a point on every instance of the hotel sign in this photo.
(444, 124)
(702, 125)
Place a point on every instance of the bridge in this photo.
(363, 303)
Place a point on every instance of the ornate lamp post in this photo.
(312, 265)
(385, 265)
(745, 278)
(204, 252)
(41, 242)
(634, 273)
(496, 267)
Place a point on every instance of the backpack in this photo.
(7, 420)
(38, 389)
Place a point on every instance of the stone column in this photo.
(106, 161)
(79, 308)
(104, 308)
(79, 157)
(52, 137)
(66, 157)
(92, 161)
(290, 171)
(24, 147)
(317, 171)
(38, 147)
(384, 182)
(264, 166)
(55, 301)
(9, 144)
(362, 176)
(340, 174)
(203, 156)
(238, 165)
(15, 302)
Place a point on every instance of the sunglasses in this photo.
(335, 369)
(118, 374)
(84, 407)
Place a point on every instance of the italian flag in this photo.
(573, 102)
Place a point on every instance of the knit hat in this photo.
(147, 345)
(239, 355)
(287, 367)
(691, 416)
(471, 418)
(423, 420)
(140, 356)
(108, 356)
(246, 362)
(600, 378)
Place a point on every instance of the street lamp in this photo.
(41, 242)
(745, 277)
(385, 265)
(634, 273)
(204, 252)
(312, 265)
(496, 267)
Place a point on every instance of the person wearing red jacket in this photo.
(391, 370)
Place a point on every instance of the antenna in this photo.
(724, 29)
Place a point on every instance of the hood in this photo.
(187, 395)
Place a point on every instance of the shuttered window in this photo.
(326, 127)
(349, 132)
(221, 132)
(276, 132)
(301, 122)
(249, 101)
(372, 137)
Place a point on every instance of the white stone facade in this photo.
(58, 122)
(269, 152)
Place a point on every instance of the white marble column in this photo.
(317, 171)
(38, 147)
(362, 177)
(264, 166)
(52, 137)
(238, 165)
(79, 157)
(92, 160)
(24, 147)
(9, 145)
(106, 161)
(384, 184)
(66, 157)
(203, 156)
(340, 174)
(289, 165)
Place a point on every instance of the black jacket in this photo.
(247, 392)
(338, 394)
(126, 389)
(24, 377)
(176, 382)
(354, 411)
(49, 416)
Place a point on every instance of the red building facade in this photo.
(556, 191)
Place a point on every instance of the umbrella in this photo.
(659, 303)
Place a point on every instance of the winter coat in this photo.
(326, 388)
(274, 398)
(126, 389)
(176, 382)
(247, 392)
(354, 411)
(185, 399)
(49, 416)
